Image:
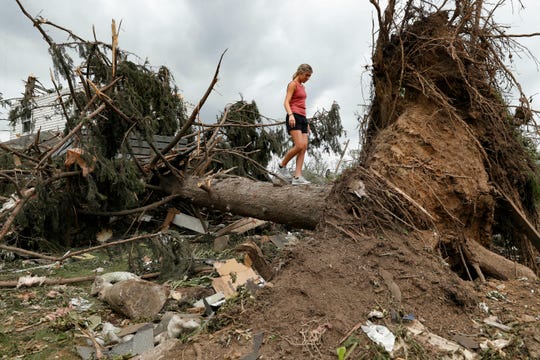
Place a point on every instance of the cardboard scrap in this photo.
(232, 275)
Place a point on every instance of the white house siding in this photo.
(47, 116)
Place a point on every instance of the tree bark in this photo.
(298, 206)
(495, 265)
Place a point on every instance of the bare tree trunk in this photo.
(299, 206)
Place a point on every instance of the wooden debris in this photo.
(241, 226)
(171, 213)
(419, 331)
(257, 258)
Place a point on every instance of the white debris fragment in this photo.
(80, 304)
(30, 280)
(380, 335)
(375, 314)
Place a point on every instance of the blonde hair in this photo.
(303, 69)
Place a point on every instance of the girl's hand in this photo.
(292, 120)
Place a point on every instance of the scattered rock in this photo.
(466, 341)
(136, 299)
(173, 324)
(221, 242)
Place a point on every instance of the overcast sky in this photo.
(266, 41)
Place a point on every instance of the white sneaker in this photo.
(284, 174)
(300, 181)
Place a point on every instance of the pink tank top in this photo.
(298, 100)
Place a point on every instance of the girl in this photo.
(297, 124)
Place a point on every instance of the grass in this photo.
(26, 331)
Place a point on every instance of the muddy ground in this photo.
(325, 286)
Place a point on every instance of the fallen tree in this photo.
(445, 168)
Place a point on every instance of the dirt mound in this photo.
(330, 283)
(441, 164)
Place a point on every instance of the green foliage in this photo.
(46, 216)
(21, 111)
(326, 131)
(145, 95)
(143, 100)
(246, 136)
(248, 146)
(63, 63)
(6, 160)
(117, 184)
(147, 101)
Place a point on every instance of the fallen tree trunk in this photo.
(303, 207)
(299, 206)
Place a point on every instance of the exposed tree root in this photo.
(492, 264)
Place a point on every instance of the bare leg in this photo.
(301, 155)
(299, 145)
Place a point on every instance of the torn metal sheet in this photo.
(189, 222)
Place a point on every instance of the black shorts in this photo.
(301, 123)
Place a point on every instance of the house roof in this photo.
(45, 140)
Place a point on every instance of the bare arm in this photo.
(290, 90)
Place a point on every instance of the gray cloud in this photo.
(266, 40)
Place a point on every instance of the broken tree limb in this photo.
(54, 49)
(493, 264)
(112, 243)
(34, 254)
(114, 46)
(132, 211)
(192, 117)
(521, 221)
(26, 253)
(18, 153)
(7, 225)
(301, 206)
(66, 281)
(69, 136)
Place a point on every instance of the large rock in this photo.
(136, 299)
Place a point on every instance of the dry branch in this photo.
(193, 115)
(7, 224)
(70, 254)
(72, 133)
(67, 281)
